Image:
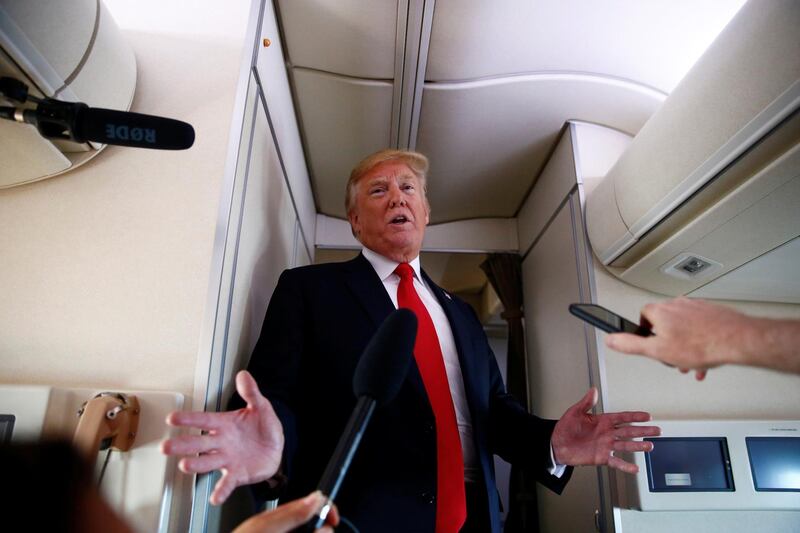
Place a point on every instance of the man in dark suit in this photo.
(425, 463)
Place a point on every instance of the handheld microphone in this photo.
(378, 377)
(81, 123)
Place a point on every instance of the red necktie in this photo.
(451, 505)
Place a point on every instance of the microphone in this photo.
(81, 123)
(377, 380)
(78, 122)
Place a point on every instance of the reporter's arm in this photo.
(695, 334)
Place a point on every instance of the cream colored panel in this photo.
(554, 184)
(278, 95)
(597, 148)
(108, 78)
(716, 112)
(26, 155)
(558, 372)
(653, 43)
(343, 120)
(484, 234)
(488, 140)
(772, 277)
(478, 235)
(710, 521)
(301, 255)
(264, 248)
(60, 32)
(757, 217)
(348, 37)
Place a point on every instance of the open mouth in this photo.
(400, 219)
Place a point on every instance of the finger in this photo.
(700, 375)
(629, 343)
(247, 388)
(624, 466)
(295, 513)
(196, 419)
(223, 489)
(588, 401)
(188, 445)
(626, 417)
(632, 446)
(203, 463)
(333, 516)
(684, 370)
(634, 432)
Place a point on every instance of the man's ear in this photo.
(353, 218)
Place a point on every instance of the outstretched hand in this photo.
(581, 438)
(246, 445)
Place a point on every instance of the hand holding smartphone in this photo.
(608, 321)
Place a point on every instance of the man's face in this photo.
(390, 212)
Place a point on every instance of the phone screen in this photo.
(606, 320)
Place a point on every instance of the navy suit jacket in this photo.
(318, 322)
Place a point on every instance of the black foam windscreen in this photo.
(126, 128)
(383, 365)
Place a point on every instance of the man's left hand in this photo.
(581, 438)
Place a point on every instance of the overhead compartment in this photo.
(712, 181)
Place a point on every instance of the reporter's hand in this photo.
(290, 515)
(689, 334)
(246, 444)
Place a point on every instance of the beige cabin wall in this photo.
(104, 270)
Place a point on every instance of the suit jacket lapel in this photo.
(469, 372)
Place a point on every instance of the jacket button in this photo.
(428, 497)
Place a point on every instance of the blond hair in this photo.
(415, 161)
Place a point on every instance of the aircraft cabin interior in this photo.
(615, 153)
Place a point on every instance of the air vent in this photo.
(690, 266)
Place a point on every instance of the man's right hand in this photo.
(246, 444)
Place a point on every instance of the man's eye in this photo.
(408, 187)
(377, 190)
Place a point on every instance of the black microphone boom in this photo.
(81, 123)
(378, 377)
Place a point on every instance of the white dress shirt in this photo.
(385, 269)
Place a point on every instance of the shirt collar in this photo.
(384, 266)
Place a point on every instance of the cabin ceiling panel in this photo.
(343, 120)
(653, 43)
(349, 37)
(488, 140)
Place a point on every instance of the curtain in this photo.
(504, 272)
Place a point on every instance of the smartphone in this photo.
(608, 321)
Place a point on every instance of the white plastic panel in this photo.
(108, 77)
(772, 277)
(551, 189)
(488, 140)
(557, 360)
(278, 95)
(745, 496)
(477, 235)
(48, 38)
(343, 120)
(586, 36)
(348, 37)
